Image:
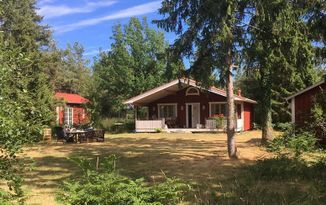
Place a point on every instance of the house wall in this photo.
(78, 117)
(303, 104)
(204, 98)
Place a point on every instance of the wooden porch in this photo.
(160, 125)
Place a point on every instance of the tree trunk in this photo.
(267, 129)
(232, 149)
(266, 103)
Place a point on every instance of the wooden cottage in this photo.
(182, 104)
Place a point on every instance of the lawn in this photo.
(199, 158)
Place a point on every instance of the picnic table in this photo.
(85, 135)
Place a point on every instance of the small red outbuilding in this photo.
(302, 102)
(73, 112)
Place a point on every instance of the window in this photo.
(217, 109)
(69, 116)
(192, 91)
(142, 113)
(167, 110)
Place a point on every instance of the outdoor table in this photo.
(76, 135)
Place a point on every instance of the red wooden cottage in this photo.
(302, 102)
(182, 104)
(73, 112)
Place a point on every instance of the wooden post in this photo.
(97, 163)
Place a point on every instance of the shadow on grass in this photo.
(202, 162)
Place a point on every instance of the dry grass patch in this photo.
(200, 158)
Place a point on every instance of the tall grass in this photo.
(280, 180)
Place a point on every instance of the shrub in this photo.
(220, 121)
(302, 142)
(116, 125)
(158, 130)
(107, 187)
(283, 126)
(298, 141)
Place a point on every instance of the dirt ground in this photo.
(200, 158)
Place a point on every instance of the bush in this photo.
(283, 127)
(158, 130)
(220, 121)
(117, 125)
(107, 187)
(302, 142)
(298, 141)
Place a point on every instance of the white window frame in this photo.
(198, 92)
(167, 104)
(69, 121)
(214, 103)
(58, 114)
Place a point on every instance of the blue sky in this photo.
(90, 21)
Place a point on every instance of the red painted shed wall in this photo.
(304, 103)
(78, 118)
(248, 110)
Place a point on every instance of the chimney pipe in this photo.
(239, 92)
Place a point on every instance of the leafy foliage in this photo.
(297, 140)
(106, 186)
(137, 61)
(25, 97)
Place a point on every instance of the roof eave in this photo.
(305, 90)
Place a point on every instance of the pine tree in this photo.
(210, 34)
(279, 55)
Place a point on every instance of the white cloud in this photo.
(52, 11)
(129, 12)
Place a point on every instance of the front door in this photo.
(193, 115)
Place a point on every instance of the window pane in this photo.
(223, 109)
(218, 109)
(167, 111)
(214, 109)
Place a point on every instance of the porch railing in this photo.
(212, 124)
(149, 125)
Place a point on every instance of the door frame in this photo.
(187, 118)
(240, 126)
